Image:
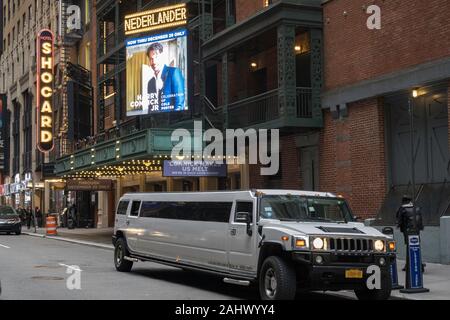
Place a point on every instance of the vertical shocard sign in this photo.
(44, 90)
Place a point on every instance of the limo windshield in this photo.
(301, 208)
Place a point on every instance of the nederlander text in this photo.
(156, 19)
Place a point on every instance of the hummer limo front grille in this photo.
(351, 245)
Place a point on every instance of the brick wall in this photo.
(256, 180)
(328, 146)
(247, 8)
(352, 157)
(412, 32)
(448, 103)
(290, 164)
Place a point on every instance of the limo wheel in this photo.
(383, 294)
(277, 280)
(120, 253)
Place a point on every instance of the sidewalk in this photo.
(436, 276)
(94, 237)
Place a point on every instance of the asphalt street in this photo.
(36, 268)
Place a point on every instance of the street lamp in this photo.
(414, 276)
(415, 94)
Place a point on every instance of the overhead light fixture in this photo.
(298, 48)
(254, 65)
(415, 93)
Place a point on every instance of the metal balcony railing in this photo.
(254, 110)
(304, 102)
(266, 107)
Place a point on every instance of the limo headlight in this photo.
(379, 245)
(301, 242)
(318, 243)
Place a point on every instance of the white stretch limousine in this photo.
(282, 240)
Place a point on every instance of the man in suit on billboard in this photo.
(167, 87)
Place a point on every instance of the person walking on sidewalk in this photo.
(29, 217)
(38, 214)
(72, 216)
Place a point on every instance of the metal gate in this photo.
(431, 154)
(431, 149)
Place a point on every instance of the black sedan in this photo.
(10, 220)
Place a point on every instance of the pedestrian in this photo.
(22, 214)
(29, 217)
(38, 214)
(72, 216)
(63, 218)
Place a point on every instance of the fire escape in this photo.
(73, 84)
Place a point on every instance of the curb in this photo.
(81, 242)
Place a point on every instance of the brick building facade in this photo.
(369, 79)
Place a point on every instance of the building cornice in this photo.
(307, 15)
(416, 76)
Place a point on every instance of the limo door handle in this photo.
(233, 232)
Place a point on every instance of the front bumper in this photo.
(331, 273)
(10, 227)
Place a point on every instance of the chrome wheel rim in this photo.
(270, 283)
(119, 255)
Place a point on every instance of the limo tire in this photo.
(373, 295)
(277, 280)
(120, 252)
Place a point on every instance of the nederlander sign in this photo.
(161, 18)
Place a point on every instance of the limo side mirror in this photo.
(245, 217)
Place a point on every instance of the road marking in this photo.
(4, 246)
(70, 267)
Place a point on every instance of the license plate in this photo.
(353, 274)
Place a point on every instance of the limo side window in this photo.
(192, 211)
(244, 207)
(122, 208)
(135, 208)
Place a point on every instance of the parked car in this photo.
(281, 240)
(10, 221)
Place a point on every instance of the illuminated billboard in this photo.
(161, 18)
(44, 84)
(157, 74)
